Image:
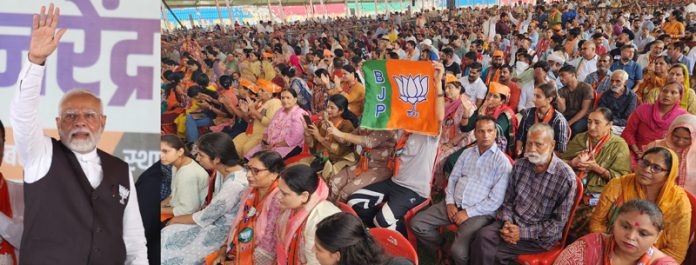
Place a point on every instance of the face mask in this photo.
(521, 66)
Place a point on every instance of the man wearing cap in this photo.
(492, 74)
(626, 63)
(556, 61)
(587, 62)
(428, 44)
(574, 99)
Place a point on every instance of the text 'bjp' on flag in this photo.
(400, 95)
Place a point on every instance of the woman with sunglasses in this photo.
(653, 181)
(252, 239)
(190, 238)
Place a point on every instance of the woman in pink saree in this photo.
(285, 133)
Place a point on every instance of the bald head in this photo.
(588, 50)
(80, 95)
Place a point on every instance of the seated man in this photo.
(538, 201)
(475, 192)
(621, 101)
(10, 230)
(574, 100)
(413, 171)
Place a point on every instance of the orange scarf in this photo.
(241, 249)
(6, 208)
(547, 116)
(494, 74)
(594, 151)
(395, 162)
(250, 125)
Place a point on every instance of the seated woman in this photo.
(597, 156)
(506, 121)
(284, 133)
(654, 181)
(340, 153)
(188, 239)
(681, 138)
(457, 105)
(258, 116)
(252, 239)
(632, 239)
(679, 73)
(189, 179)
(342, 239)
(303, 199)
(654, 80)
(650, 121)
(543, 111)
(373, 165)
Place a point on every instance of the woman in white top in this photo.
(189, 179)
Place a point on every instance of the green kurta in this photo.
(614, 156)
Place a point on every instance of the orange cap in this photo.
(498, 53)
(267, 55)
(248, 84)
(498, 88)
(327, 52)
(450, 78)
(268, 86)
(556, 27)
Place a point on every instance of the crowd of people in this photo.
(564, 115)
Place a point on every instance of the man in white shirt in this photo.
(645, 60)
(587, 62)
(81, 203)
(474, 86)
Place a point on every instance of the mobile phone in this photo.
(307, 120)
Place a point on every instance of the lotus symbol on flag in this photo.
(412, 90)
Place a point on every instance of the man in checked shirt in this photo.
(537, 204)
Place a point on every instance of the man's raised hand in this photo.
(44, 38)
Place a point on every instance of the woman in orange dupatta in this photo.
(252, 238)
(681, 137)
(631, 240)
(654, 181)
(303, 197)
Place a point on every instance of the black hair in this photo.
(193, 91)
(225, 81)
(289, 90)
(471, 55)
(448, 51)
(645, 206)
(476, 65)
(175, 142)
(219, 145)
(393, 55)
(485, 118)
(350, 69)
(203, 80)
(300, 178)
(678, 45)
(339, 53)
(345, 233)
(288, 71)
(297, 50)
(606, 113)
(505, 66)
(666, 154)
(321, 71)
(549, 91)
(2, 131)
(568, 69)
(271, 160)
(342, 103)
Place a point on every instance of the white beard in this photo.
(80, 146)
(536, 158)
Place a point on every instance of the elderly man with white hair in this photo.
(81, 203)
(537, 204)
(620, 100)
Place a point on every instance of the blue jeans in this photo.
(192, 126)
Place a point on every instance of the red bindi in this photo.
(636, 224)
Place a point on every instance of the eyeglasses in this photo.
(72, 116)
(255, 171)
(653, 168)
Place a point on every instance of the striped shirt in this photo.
(540, 203)
(561, 131)
(482, 178)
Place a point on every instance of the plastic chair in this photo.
(691, 252)
(394, 243)
(346, 209)
(548, 257)
(407, 218)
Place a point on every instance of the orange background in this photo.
(426, 121)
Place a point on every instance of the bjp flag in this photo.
(400, 95)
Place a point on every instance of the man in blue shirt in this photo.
(475, 191)
(626, 63)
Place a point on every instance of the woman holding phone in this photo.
(338, 152)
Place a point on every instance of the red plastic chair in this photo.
(346, 208)
(691, 252)
(407, 218)
(394, 243)
(548, 257)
